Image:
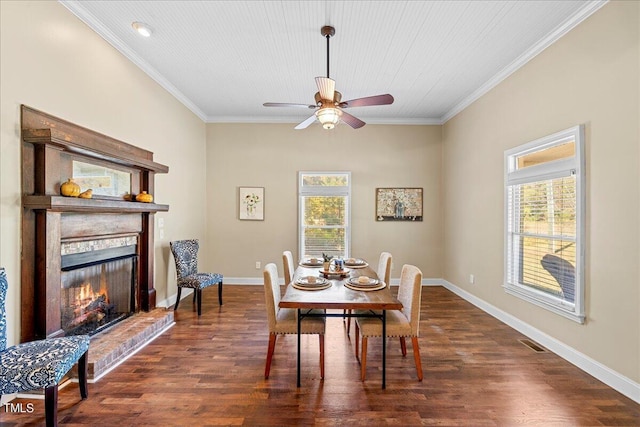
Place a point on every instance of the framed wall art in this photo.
(251, 203)
(398, 204)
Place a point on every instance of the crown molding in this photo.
(75, 7)
(589, 9)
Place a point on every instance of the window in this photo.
(324, 213)
(544, 228)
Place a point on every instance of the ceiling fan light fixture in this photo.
(329, 117)
(143, 29)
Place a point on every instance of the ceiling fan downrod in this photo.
(328, 31)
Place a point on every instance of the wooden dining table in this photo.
(338, 296)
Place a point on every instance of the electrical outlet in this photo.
(161, 234)
(160, 222)
(257, 265)
(472, 279)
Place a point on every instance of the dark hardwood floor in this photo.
(210, 371)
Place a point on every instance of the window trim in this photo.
(554, 169)
(324, 191)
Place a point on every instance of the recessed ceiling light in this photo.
(142, 29)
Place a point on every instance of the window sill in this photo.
(546, 303)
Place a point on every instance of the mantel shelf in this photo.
(73, 204)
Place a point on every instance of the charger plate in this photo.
(380, 285)
(359, 263)
(314, 287)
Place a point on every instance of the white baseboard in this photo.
(613, 379)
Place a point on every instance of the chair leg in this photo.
(403, 346)
(321, 339)
(194, 296)
(51, 405)
(199, 300)
(177, 299)
(416, 356)
(220, 292)
(348, 321)
(82, 375)
(363, 359)
(357, 341)
(270, 349)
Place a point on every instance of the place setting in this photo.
(311, 283)
(364, 283)
(311, 262)
(355, 263)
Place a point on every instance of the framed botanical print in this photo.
(251, 203)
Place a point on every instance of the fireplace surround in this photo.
(54, 227)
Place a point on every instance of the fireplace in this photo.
(98, 286)
(87, 264)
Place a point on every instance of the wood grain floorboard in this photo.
(209, 371)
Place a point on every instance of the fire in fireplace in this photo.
(98, 289)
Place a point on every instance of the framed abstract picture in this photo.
(398, 204)
(251, 203)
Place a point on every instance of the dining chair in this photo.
(384, 274)
(40, 364)
(185, 254)
(284, 320)
(287, 263)
(400, 323)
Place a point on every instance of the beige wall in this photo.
(53, 62)
(589, 76)
(271, 155)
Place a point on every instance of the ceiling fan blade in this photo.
(367, 101)
(326, 87)
(306, 123)
(287, 104)
(352, 121)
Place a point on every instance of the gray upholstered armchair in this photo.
(185, 253)
(39, 364)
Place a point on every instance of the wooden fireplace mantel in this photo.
(49, 147)
(73, 204)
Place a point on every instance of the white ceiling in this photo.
(224, 59)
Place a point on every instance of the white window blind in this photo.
(544, 221)
(324, 219)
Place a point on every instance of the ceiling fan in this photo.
(329, 105)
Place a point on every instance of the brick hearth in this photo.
(114, 345)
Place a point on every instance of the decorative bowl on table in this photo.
(331, 272)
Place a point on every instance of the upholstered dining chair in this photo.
(400, 323)
(384, 274)
(40, 364)
(185, 253)
(284, 320)
(287, 263)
